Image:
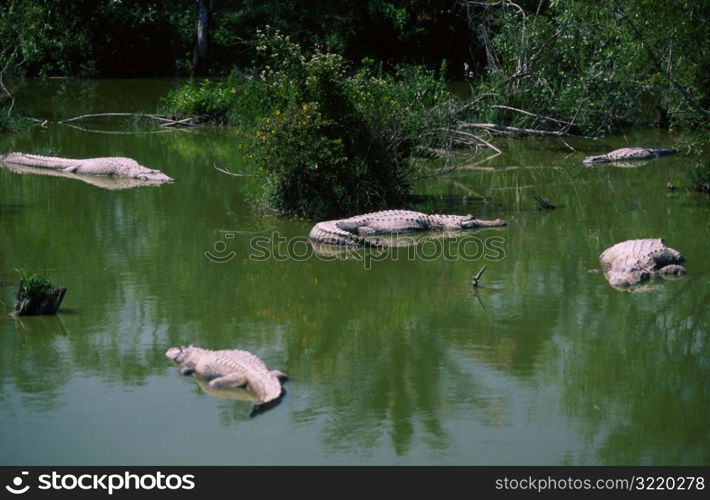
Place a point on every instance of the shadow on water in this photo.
(10, 209)
(655, 376)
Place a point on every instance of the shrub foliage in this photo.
(329, 141)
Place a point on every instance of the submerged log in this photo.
(38, 304)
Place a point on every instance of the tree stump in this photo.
(41, 304)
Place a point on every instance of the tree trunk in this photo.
(478, 24)
(200, 53)
(663, 120)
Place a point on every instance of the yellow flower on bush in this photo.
(277, 112)
(305, 107)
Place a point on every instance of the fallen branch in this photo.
(36, 120)
(493, 127)
(185, 121)
(535, 115)
(166, 119)
(124, 132)
(474, 137)
(477, 166)
(234, 174)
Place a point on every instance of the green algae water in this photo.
(392, 360)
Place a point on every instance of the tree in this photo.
(200, 52)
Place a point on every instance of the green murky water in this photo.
(392, 361)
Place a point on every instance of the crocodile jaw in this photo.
(154, 176)
(173, 353)
(628, 278)
(468, 221)
(591, 160)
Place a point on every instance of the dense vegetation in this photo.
(598, 64)
(336, 96)
(92, 38)
(330, 141)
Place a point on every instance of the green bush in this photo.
(10, 122)
(336, 144)
(204, 100)
(329, 141)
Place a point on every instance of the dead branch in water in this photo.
(473, 137)
(477, 277)
(537, 116)
(170, 123)
(166, 120)
(506, 129)
(124, 132)
(234, 174)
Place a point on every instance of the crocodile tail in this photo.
(260, 408)
(279, 375)
(665, 151)
(329, 234)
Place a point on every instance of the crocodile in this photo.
(100, 181)
(231, 368)
(626, 154)
(633, 262)
(112, 166)
(351, 232)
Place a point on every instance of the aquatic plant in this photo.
(35, 284)
(37, 295)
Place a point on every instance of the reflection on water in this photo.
(397, 362)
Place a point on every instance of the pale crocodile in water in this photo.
(351, 232)
(627, 154)
(100, 181)
(231, 368)
(633, 262)
(111, 166)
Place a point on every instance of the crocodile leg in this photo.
(235, 379)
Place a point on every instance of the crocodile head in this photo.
(593, 160)
(178, 354)
(627, 277)
(154, 176)
(469, 221)
(631, 275)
